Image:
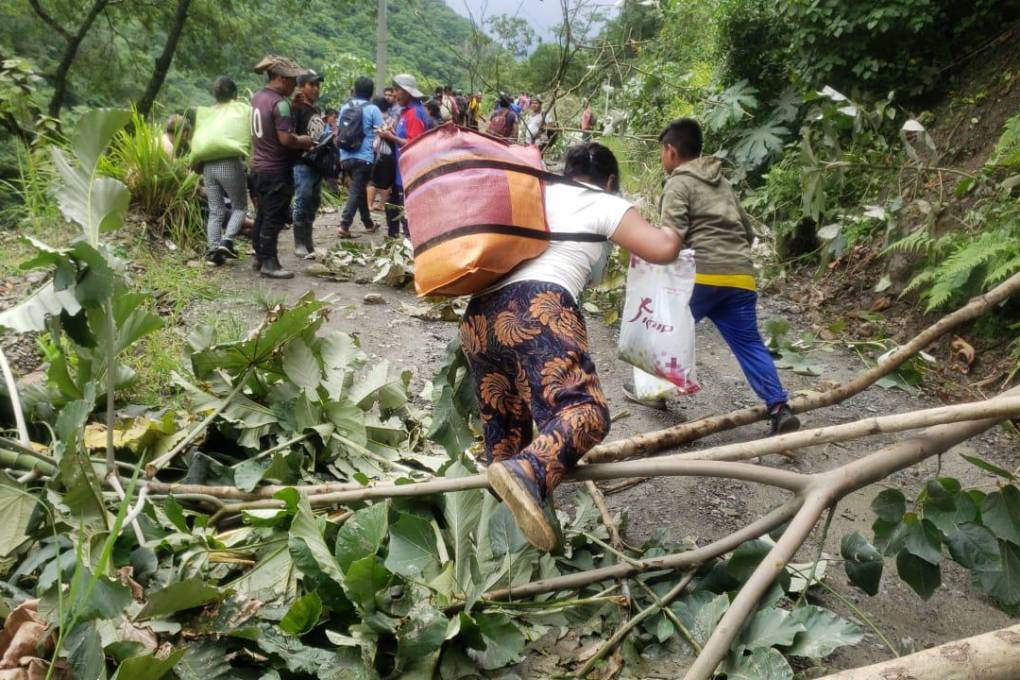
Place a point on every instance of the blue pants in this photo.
(307, 193)
(733, 311)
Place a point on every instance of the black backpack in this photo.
(351, 127)
(324, 158)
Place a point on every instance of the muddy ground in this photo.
(703, 509)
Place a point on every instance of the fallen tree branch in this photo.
(991, 656)
(825, 489)
(653, 442)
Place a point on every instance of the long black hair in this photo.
(593, 163)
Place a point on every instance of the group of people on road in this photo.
(538, 391)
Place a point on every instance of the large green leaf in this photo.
(1000, 512)
(93, 133)
(280, 327)
(453, 403)
(204, 659)
(890, 505)
(413, 552)
(862, 561)
(700, 611)
(504, 643)
(85, 651)
(273, 580)
(762, 664)
(98, 204)
(362, 534)
(364, 578)
(1003, 583)
(462, 511)
(186, 594)
(296, 656)
(306, 528)
(16, 506)
(747, 557)
(769, 628)
(31, 313)
(147, 666)
(420, 633)
(920, 574)
(504, 534)
(303, 615)
(923, 539)
(381, 384)
(974, 547)
(824, 632)
(301, 366)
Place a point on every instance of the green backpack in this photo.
(221, 131)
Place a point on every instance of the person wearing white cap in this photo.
(414, 121)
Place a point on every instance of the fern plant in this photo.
(967, 262)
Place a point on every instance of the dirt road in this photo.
(703, 509)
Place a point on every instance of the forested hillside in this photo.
(212, 471)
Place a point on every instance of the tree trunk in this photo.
(653, 442)
(74, 41)
(991, 656)
(165, 59)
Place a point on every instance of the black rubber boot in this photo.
(303, 245)
(271, 269)
(227, 248)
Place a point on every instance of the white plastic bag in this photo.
(657, 328)
(648, 386)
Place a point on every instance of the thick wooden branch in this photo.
(825, 489)
(991, 656)
(60, 76)
(48, 19)
(653, 442)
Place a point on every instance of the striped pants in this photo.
(224, 178)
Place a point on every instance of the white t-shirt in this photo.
(570, 263)
(533, 127)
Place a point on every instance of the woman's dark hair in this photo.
(433, 108)
(224, 89)
(381, 102)
(593, 163)
(364, 87)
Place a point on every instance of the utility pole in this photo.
(380, 48)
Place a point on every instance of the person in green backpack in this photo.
(220, 145)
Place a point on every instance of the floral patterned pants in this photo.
(527, 346)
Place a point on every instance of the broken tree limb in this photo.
(912, 420)
(783, 479)
(825, 489)
(991, 656)
(676, 464)
(622, 631)
(652, 442)
(685, 560)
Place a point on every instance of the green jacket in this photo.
(700, 204)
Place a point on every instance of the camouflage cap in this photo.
(280, 66)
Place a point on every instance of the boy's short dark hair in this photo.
(684, 135)
(364, 87)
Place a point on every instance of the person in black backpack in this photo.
(356, 129)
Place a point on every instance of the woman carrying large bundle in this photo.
(541, 404)
(220, 145)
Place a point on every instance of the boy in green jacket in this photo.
(701, 205)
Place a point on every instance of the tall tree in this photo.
(165, 59)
